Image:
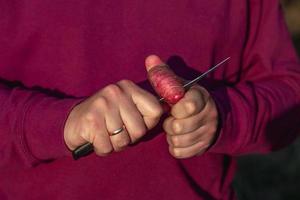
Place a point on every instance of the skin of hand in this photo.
(106, 111)
(192, 125)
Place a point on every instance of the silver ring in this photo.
(119, 130)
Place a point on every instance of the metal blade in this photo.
(198, 78)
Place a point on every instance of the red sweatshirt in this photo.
(53, 53)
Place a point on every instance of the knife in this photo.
(198, 78)
(87, 148)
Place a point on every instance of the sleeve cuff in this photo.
(223, 143)
(43, 127)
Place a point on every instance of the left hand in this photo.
(192, 125)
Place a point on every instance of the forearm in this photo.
(258, 116)
(260, 111)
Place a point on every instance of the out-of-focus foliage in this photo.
(292, 15)
(275, 176)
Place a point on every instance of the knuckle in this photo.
(91, 121)
(167, 124)
(113, 90)
(99, 102)
(176, 152)
(157, 111)
(176, 127)
(89, 116)
(126, 82)
(175, 141)
(190, 106)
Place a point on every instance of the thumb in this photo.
(163, 80)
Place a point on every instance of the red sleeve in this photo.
(261, 112)
(31, 125)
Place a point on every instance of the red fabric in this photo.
(55, 53)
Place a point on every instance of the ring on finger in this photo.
(117, 131)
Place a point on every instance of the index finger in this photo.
(147, 104)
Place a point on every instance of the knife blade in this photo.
(189, 84)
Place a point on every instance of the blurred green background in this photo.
(275, 176)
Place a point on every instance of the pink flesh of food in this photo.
(166, 83)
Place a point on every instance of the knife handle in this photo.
(82, 150)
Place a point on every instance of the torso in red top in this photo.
(78, 47)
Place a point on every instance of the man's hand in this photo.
(123, 103)
(192, 125)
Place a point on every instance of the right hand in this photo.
(123, 103)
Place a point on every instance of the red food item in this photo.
(166, 83)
